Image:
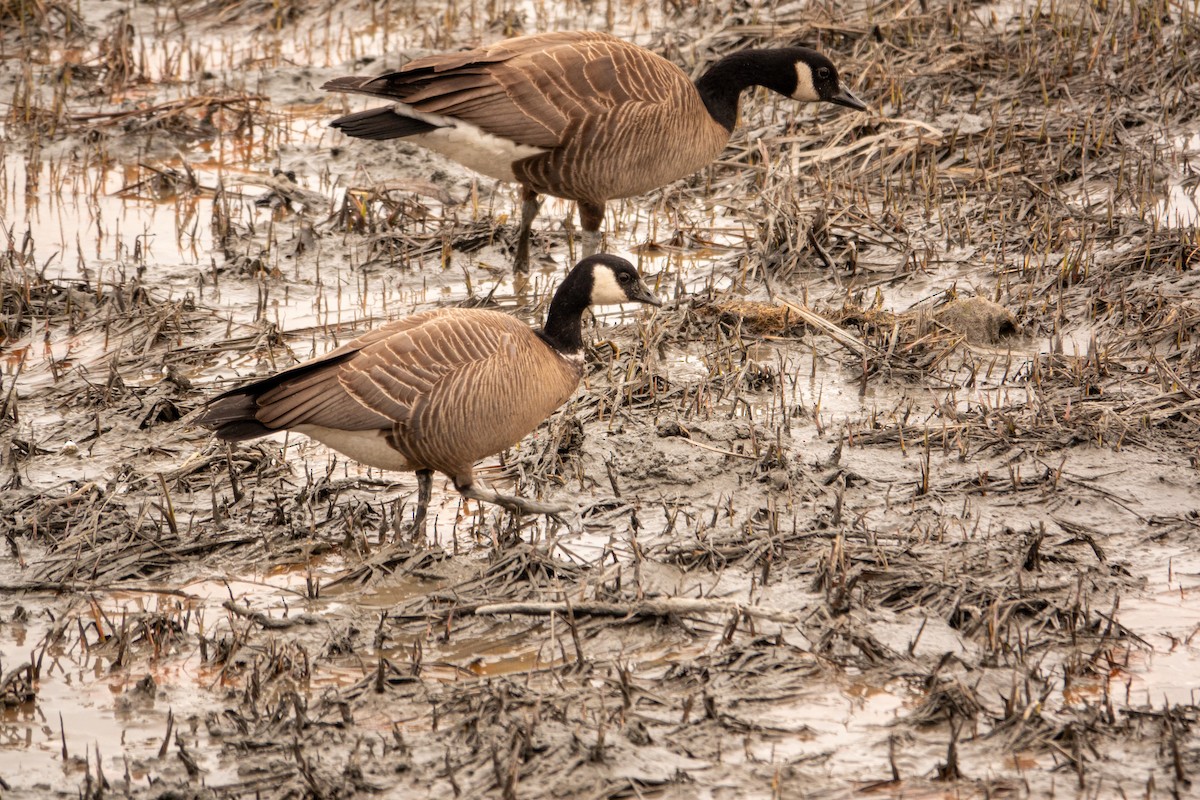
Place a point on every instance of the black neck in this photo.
(564, 328)
(723, 84)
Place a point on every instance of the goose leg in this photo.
(477, 490)
(424, 493)
(590, 217)
(530, 205)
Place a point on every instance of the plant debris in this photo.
(897, 494)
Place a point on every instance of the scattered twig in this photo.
(664, 607)
(270, 623)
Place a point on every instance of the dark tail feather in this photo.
(380, 123)
(350, 83)
(390, 85)
(231, 415)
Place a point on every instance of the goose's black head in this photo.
(795, 72)
(602, 280)
(614, 280)
(596, 280)
(816, 80)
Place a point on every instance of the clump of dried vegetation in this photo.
(869, 448)
(31, 19)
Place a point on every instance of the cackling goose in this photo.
(578, 114)
(438, 390)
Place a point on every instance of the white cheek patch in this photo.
(470, 145)
(605, 289)
(805, 90)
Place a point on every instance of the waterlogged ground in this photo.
(898, 495)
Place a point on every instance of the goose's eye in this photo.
(823, 73)
(624, 277)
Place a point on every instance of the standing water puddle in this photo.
(797, 477)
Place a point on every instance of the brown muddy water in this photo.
(914, 515)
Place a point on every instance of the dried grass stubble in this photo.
(1001, 189)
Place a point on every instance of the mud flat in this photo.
(898, 495)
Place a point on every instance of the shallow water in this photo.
(94, 218)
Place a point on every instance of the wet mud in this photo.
(898, 495)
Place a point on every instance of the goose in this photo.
(438, 390)
(579, 115)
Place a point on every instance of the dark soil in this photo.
(899, 495)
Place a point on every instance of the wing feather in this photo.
(450, 387)
(534, 90)
(398, 374)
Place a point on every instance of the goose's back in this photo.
(450, 387)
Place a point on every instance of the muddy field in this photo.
(897, 496)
